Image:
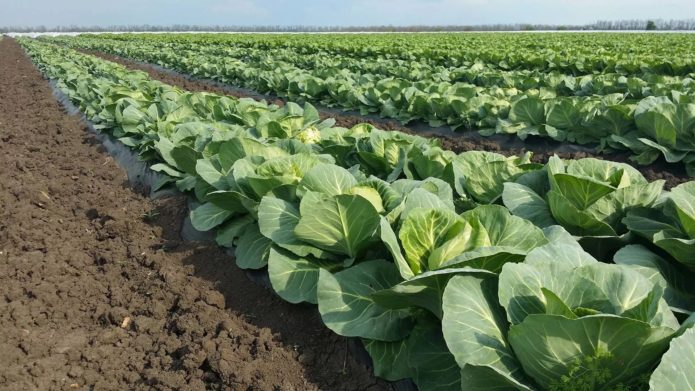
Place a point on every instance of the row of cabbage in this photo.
(464, 272)
(574, 54)
(324, 64)
(661, 122)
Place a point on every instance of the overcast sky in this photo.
(334, 12)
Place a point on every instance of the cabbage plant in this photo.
(560, 320)
(479, 176)
(433, 244)
(671, 227)
(665, 127)
(329, 220)
(588, 197)
(404, 297)
(669, 230)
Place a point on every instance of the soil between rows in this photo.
(93, 295)
(672, 174)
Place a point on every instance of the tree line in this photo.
(626, 25)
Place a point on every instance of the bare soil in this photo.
(672, 174)
(98, 292)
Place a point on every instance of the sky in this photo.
(334, 12)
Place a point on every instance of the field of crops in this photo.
(632, 93)
(468, 271)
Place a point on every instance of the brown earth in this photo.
(672, 174)
(98, 292)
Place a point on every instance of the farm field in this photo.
(82, 251)
(615, 92)
(540, 237)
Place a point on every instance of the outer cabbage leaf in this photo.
(675, 372)
(342, 224)
(673, 277)
(509, 239)
(551, 346)
(347, 309)
(294, 278)
(475, 328)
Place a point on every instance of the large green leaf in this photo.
(433, 366)
(252, 249)
(329, 179)
(390, 198)
(525, 203)
(562, 248)
(185, 158)
(577, 221)
(505, 229)
(347, 309)
(427, 163)
(613, 207)
(648, 222)
(466, 236)
(231, 230)
(165, 168)
(432, 192)
(681, 249)
(521, 286)
(629, 293)
(675, 372)
(391, 242)
(343, 224)
(684, 120)
(238, 148)
(551, 347)
(421, 198)
(489, 258)
(390, 359)
(580, 284)
(563, 114)
(424, 290)
(435, 186)
(475, 327)
(277, 220)
(604, 171)
(422, 231)
(232, 201)
(671, 155)
(482, 174)
(509, 239)
(671, 276)
(262, 186)
(683, 197)
(581, 192)
(206, 169)
(664, 232)
(484, 378)
(295, 278)
(208, 216)
(529, 109)
(369, 194)
(654, 117)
